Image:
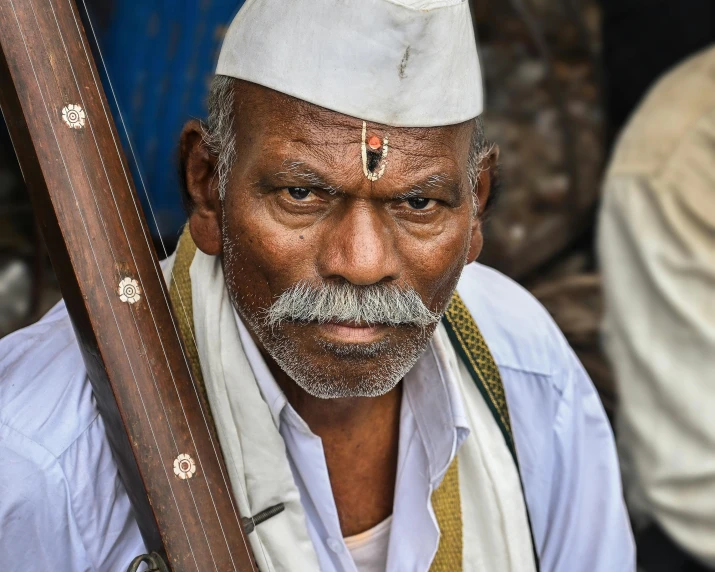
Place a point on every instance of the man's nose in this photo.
(360, 248)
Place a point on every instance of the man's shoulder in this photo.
(672, 114)
(45, 395)
(520, 333)
(62, 499)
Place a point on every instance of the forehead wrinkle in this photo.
(322, 123)
(325, 139)
(295, 120)
(445, 154)
(431, 150)
(317, 140)
(429, 170)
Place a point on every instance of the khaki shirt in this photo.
(657, 251)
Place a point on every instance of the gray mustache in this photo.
(346, 302)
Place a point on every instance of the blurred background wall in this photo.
(561, 77)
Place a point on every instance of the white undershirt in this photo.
(369, 548)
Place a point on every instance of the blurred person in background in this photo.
(656, 244)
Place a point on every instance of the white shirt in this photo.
(657, 251)
(433, 424)
(63, 508)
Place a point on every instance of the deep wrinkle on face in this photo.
(298, 208)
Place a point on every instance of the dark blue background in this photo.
(160, 57)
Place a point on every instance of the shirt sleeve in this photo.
(567, 454)
(38, 530)
(657, 252)
(588, 525)
(66, 512)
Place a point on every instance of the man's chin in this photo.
(327, 369)
(356, 352)
(357, 382)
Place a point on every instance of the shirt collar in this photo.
(431, 391)
(267, 384)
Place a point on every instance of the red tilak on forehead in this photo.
(378, 153)
(374, 142)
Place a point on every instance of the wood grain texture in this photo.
(96, 235)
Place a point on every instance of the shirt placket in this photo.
(312, 465)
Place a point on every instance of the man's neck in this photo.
(360, 437)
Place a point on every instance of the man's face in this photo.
(299, 212)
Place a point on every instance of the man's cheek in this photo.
(436, 281)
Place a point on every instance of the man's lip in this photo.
(352, 332)
(352, 324)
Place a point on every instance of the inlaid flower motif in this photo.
(184, 466)
(129, 291)
(73, 116)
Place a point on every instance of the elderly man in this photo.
(409, 409)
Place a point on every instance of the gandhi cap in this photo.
(405, 63)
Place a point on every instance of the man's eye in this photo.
(299, 193)
(419, 203)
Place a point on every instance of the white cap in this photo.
(404, 63)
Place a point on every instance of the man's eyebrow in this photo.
(299, 170)
(433, 182)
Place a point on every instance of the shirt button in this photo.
(335, 545)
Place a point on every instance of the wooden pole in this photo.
(157, 421)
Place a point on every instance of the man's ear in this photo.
(482, 190)
(199, 174)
